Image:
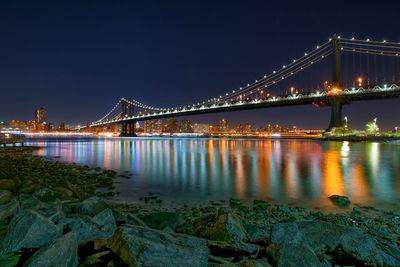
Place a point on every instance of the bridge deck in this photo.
(349, 95)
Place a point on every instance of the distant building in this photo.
(171, 126)
(3, 125)
(152, 126)
(22, 125)
(247, 128)
(40, 118)
(40, 115)
(201, 128)
(223, 125)
(62, 126)
(186, 126)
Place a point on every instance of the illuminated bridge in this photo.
(372, 72)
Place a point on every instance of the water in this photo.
(301, 172)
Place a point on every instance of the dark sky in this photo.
(77, 58)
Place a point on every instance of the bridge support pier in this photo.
(336, 114)
(127, 129)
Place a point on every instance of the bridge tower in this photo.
(127, 128)
(336, 101)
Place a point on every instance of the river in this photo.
(296, 172)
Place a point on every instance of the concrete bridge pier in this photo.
(127, 129)
(336, 113)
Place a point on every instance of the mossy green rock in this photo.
(10, 261)
(340, 201)
(7, 184)
(5, 196)
(233, 202)
(45, 194)
(162, 220)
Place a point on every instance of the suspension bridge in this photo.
(370, 63)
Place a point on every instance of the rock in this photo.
(257, 232)
(91, 206)
(10, 261)
(340, 201)
(132, 219)
(341, 242)
(95, 259)
(64, 192)
(7, 184)
(45, 194)
(139, 246)
(27, 187)
(282, 233)
(293, 254)
(233, 202)
(161, 220)
(60, 252)
(228, 227)
(226, 249)
(52, 210)
(29, 202)
(263, 262)
(101, 226)
(221, 260)
(28, 229)
(5, 196)
(9, 209)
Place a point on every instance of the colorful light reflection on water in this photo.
(290, 171)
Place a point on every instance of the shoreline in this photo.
(64, 201)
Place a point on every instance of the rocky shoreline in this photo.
(55, 214)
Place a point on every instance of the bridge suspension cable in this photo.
(320, 53)
(111, 114)
(309, 58)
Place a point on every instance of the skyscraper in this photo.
(40, 118)
(40, 115)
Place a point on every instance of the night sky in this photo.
(77, 58)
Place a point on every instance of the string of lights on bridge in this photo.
(273, 99)
(321, 52)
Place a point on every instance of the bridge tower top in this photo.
(336, 61)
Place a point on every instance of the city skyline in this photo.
(90, 73)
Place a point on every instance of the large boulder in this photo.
(28, 229)
(101, 226)
(341, 242)
(293, 255)
(228, 227)
(60, 252)
(257, 232)
(90, 206)
(50, 209)
(9, 209)
(140, 246)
